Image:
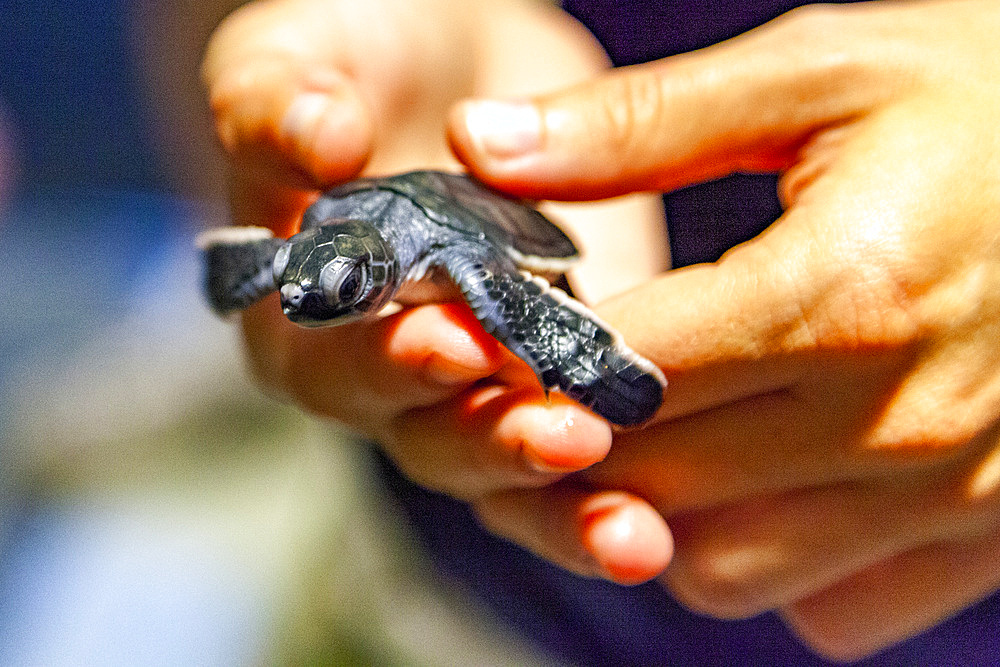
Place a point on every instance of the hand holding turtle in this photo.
(829, 444)
(310, 93)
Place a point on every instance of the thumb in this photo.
(289, 119)
(291, 122)
(743, 105)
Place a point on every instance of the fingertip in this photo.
(605, 534)
(558, 437)
(503, 143)
(629, 540)
(495, 130)
(533, 149)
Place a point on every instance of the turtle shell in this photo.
(461, 204)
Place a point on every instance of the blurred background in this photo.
(154, 507)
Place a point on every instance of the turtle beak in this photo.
(291, 295)
(305, 308)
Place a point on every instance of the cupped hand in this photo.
(309, 93)
(829, 444)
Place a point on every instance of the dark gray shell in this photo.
(458, 204)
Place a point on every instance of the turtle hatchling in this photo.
(416, 237)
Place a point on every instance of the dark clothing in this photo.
(704, 220)
(596, 623)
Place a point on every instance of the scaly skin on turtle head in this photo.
(335, 273)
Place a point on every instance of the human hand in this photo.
(307, 93)
(829, 444)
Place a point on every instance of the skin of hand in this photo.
(829, 445)
(309, 93)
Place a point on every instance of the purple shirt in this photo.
(704, 220)
(596, 623)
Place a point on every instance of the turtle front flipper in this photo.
(563, 341)
(237, 266)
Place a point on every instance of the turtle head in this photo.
(335, 273)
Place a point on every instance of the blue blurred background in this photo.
(90, 220)
(73, 93)
(154, 508)
(83, 186)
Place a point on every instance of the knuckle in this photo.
(818, 31)
(240, 33)
(631, 109)
(267, 378)
(846, 304)
(263, 372)
(929, 333)
(816, 21)
(265, 352)
(812, 34)
(493, 515)
(917, 422)
(417, 469)
(864, 309)
(403, 443)
(715, 599)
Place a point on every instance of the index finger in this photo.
(747, 104)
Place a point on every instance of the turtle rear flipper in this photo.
(564, 343)
(237, 263)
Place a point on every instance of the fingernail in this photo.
(503, 130)
(303, 116)
(327, 133)
(628, 542)
(564, 439)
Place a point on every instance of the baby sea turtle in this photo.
(415, 237)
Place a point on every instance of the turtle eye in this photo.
(344, 285)
(350, 288)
